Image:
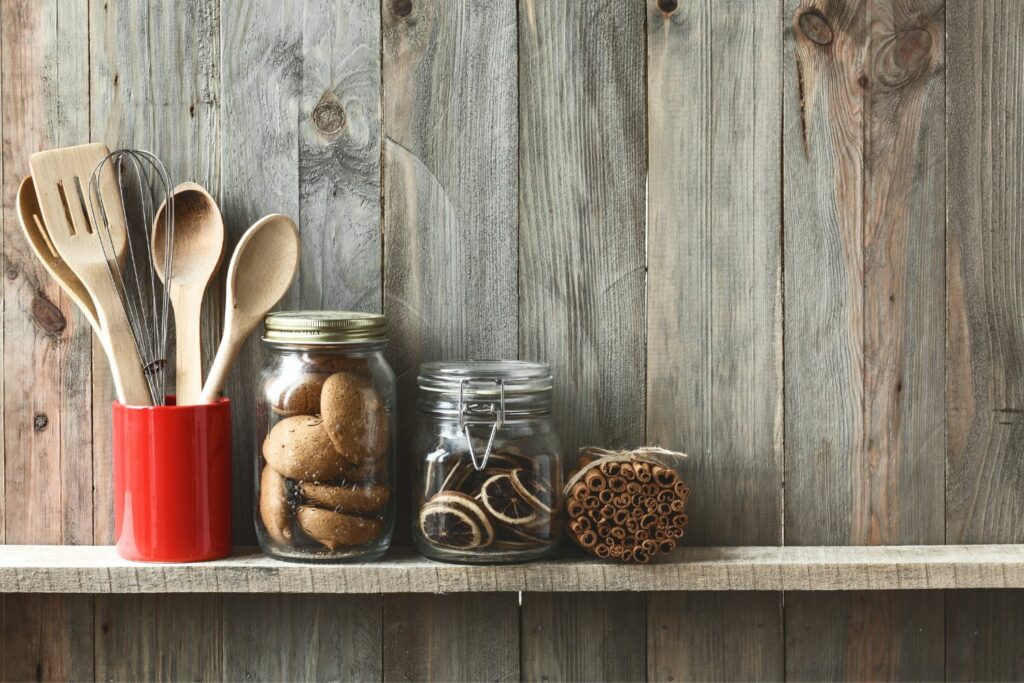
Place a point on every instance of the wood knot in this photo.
(40, 422)
(913, 49)
(814, 26)
(47, 316)
(904, 57)
(328, 117)
(668, 6)
(401, 8)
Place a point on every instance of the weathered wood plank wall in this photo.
(782, 235)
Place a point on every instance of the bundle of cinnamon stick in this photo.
(627, 504)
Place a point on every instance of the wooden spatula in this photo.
(34, 229)
(61, 177)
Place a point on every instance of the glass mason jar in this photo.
(326, 434)
(488, 486)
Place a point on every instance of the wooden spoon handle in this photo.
(188, 378)
(230, 344)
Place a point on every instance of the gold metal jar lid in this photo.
(323, 327)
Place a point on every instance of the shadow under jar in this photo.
(488, 486)
(326, 426)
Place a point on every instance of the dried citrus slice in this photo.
(467, 504)
(504, 501)
(450, 527)
(535, 490)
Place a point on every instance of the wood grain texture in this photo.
(48, 471)
(47, 638)
(863, 158)
(864, 637)
(451, 638)
(714, 326)
(97, 569)
(984, 339)
(261, 46)
(985, 391)
(983, 631)
(339, 156)
(864, 316)
(715, 636)
(158, 637)
(581, 281)
(302, 637)
(450, 179)
(581, 261)
(584, 637)
(824, 264)
(47, 439)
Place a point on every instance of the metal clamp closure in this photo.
(484, 409)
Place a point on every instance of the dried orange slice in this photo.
(449, 526)
(504, 501)
(536, 491)
(467, 504)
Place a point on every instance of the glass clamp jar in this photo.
(488, 486)
(325, 435)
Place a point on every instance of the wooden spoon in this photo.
(198, 249)
(261, 270)
(34, 229)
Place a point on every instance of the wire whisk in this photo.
(144, 185)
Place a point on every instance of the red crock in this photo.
(172, 481)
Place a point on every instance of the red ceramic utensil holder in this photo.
(172, 482)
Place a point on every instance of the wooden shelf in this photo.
(97, 569)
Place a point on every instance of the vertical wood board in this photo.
(581, 284)
(463, 637)
(864, 636)
(584, 637)
(450, 178)
(340, 156)
(301, 637)
(714, 636)
(714, 328)
(984, 337)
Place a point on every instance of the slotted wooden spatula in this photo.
(61, 178)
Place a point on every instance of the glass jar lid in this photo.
(485, 390)
(323, 327)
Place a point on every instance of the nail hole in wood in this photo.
(815, 26)
(402, 8)
(668, 6)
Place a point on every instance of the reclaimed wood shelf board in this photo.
(98, 569)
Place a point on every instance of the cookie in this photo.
(274, 506)
(295, 394)
(333, 529)
(361, 499)
(298, 448)
(355, 417)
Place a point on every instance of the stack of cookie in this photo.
(324, 485)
